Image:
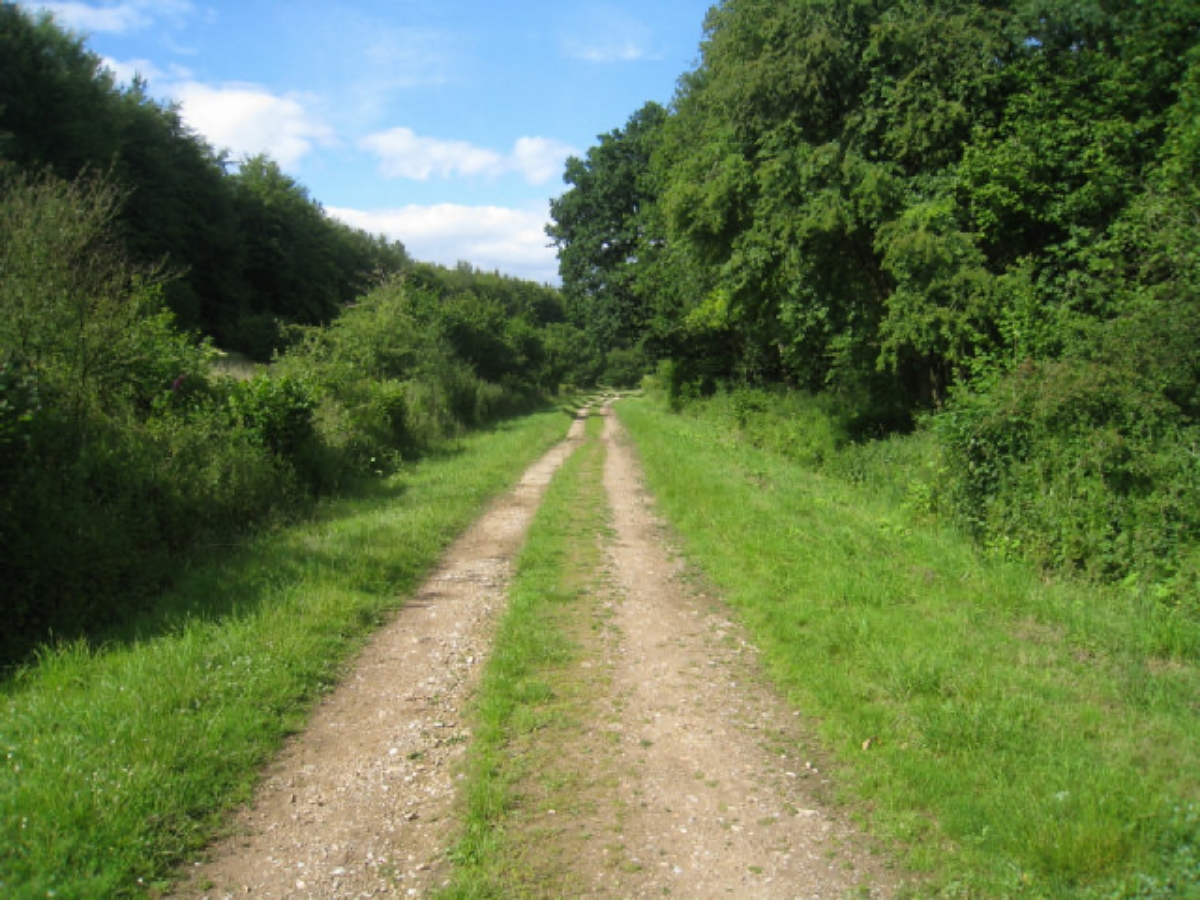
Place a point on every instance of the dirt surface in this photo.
(700, 782)
(720, 797)
(358, 804)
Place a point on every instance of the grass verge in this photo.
(117, 761)
(530, 703)
(1015, 738)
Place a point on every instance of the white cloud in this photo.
(540, 159)
(116, 18)
(405, 154)
(512, 241)
(247, 120)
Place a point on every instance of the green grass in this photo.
(1027, 739)
(118, 761)
(525, 694)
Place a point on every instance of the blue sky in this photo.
(442, 123)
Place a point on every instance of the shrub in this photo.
(19, 405)
(1078, 465)
(624, 368)
(117, 451)
(276, 412)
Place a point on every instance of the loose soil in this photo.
(691, 777)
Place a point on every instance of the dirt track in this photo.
(717, 797)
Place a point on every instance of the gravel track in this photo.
(715, 795)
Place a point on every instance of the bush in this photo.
(19, 405)
(624, 368)
(1079, 466)
(120, 449)
(808, 429)
(117, 451)
(275, 412)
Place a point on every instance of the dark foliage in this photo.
(252, 250)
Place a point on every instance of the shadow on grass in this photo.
(235, 576)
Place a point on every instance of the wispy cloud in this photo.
(606, 34)
(610, 51)
(489, 237)
(247, 120)
(405, 154)
(402, 58)
(126, 70)
(116, 18)
(371, 61)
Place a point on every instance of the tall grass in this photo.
(1019, 738)
(118, 760)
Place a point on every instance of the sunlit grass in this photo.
(117, 761)
(1014, 737)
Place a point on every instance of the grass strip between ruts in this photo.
(117, 761)
(525, 695)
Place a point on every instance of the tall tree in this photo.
(600, 226)
(249, 248)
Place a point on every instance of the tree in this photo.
(300, 266)
(250, 249)
(600, 227)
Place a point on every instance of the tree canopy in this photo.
(252, 250)
(985, 209)
(858, 185)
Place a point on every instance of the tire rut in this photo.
(709, 790)
(359, 804)
(719, 797)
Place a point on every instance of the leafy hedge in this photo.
(1082, 468)
(121, 447)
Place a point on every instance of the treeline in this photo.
(252, 250)
(128, 256)
(986, 210)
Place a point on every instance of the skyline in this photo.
(444, 125)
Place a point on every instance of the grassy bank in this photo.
(1016, 738)
(119, 760)
(530, 701)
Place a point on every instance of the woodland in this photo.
(135, 264)
(975, 223)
